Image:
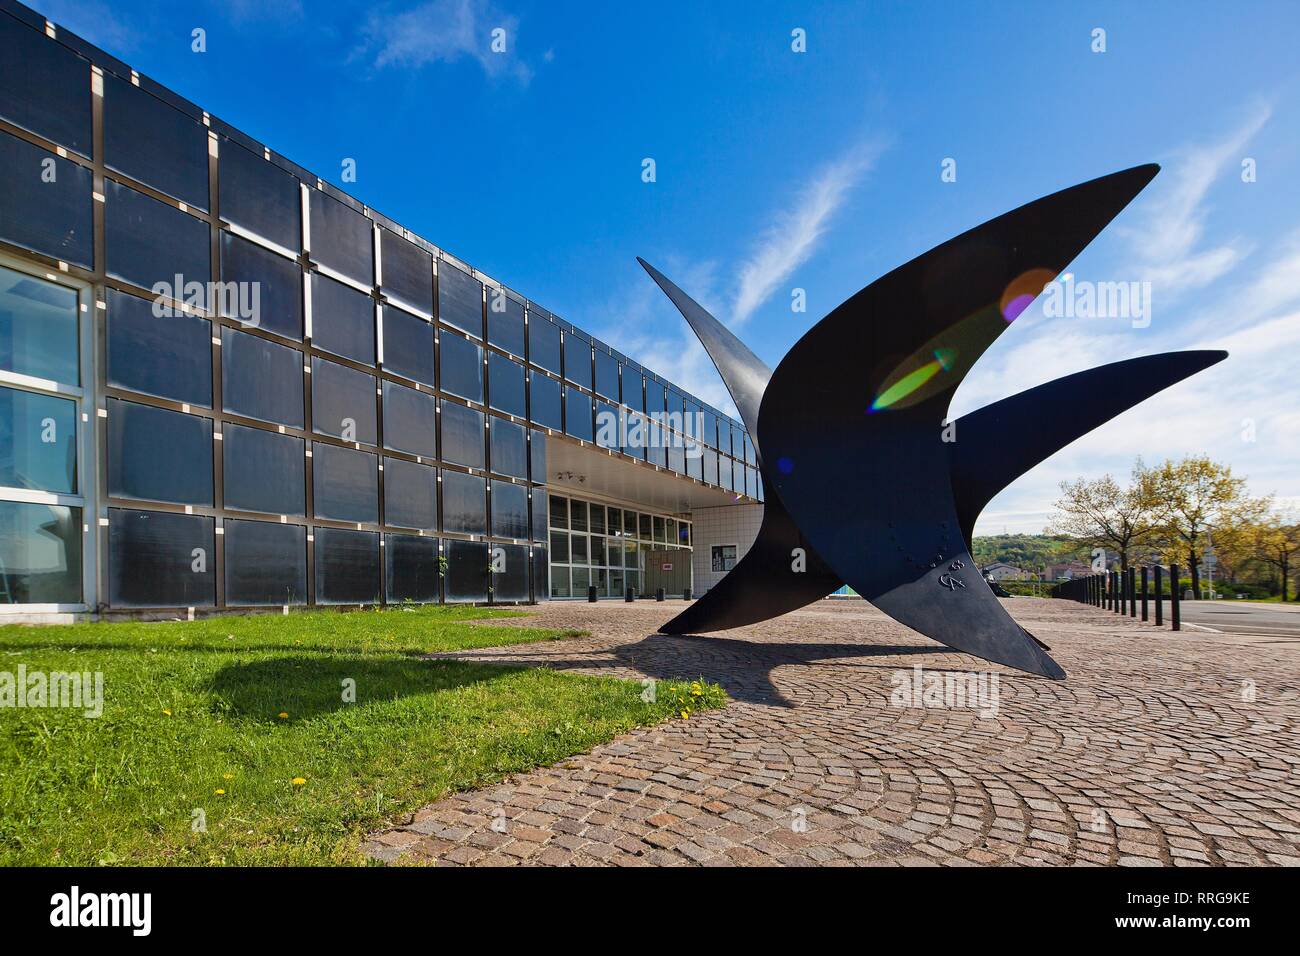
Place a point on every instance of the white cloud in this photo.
(444, 31)
(790, 239)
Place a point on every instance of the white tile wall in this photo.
(729, 524)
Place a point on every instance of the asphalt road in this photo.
(1277, 622)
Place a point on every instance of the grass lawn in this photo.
(229, 740)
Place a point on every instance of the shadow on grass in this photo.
(303, 687)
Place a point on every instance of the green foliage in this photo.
(1030, 552)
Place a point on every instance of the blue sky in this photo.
(819, 170)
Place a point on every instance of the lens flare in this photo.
(943, 361)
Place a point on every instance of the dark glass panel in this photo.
(654, 397)
(676, 454)
(263, 471)
(633, 389)
(545, 401)
(506, 389)
(341, 238)
(44, 86)
(342, 320)
(266, 563)
(40, 554)
(54, 217)
(737, 442)
(509, 510)
(578, 516)
(149, 242)
(260, 379)
(750, 458)
(694, 459)
(509, 448)
(408, 345)
(560, 545)
(636, 434)
(260, 196)
(410, 421)
(38, 328)
(597, 518)
(343, 402)
(607, 375)
(505, 320)
(751, 482)
(543, 343)
(158, 455)
(541, 571)
(268, 282)
(410, 495)
(462, 435)
(38, 442)
(154, 143)
(539, 514)
(577, 359)
(559, 512)
(464, 503)
(167, 357)
(467, 571)
(345, 483)
(537, 455)
(347, 566)
(411, 569)
(577, 414)
(509, 572)
(158, 559)
(460, 299)
(607, 425)
(408, 272)
(710, 429)
(461, 366)
(710, 459)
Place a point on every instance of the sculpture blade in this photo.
(1027, 428)
(851, 417)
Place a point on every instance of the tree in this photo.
(1101, 514)
(1197, 500)
(1277, 544)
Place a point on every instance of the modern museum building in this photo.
(227, 384)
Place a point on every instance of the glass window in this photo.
(408, 272)
(341, 238)
(635, 436)
(462, 435)
(541, 572)
(676, 454)
(710, 459)
(461, 366)
(158, 455)
(464, 503)
(559, 582)
(659, 535)
(342, 320)
(710, 429)
(410, 421)
(467, 571)
(606, 374)
(578, 515)
(149, 242)
(347, 566)
(38, 328)
(158, 559)
(560, 546)
(544, 394)
(559, 513)
(577, 359)
(578, 553)
(737, 442)
(408, 345)
(345, 483)
(44, 86)
(263, 471)
(165, 357)
(40, 554)
(633, 390)
(506, 385)
(509, 572)
(268, 290)
(654, 397)
(509, 510)
(460, 299)
(597, 518)
(537, 455)
(694, 463)
(607, 425)
(260, 379)
(722, 557)
(539, 514)
(53, 217)
(411, 569)
(581, 578)
(38, 442)
(751, 482)
(509, 449)
(266, 563)
(505, 319)
(155, 143)
(543, 343)
(410, 495)
(577, 414)
(750, 457)
(343, 402)
(643, 526)
(259, 196)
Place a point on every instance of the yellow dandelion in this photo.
(298, 781)
(284, 715)
(227, 776)
(167, 712)
(685, 714)
(219, 792)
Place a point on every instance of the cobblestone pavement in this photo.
(1159, 749)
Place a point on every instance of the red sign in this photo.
(667, 567)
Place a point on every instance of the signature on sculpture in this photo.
(861, 402)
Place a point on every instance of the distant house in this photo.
(1068, 571)
(1000, 571)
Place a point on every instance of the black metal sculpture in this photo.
(865, 481)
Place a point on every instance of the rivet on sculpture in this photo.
(850, 440)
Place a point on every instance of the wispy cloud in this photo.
(790, 239)
(94, 20)
(445, 31)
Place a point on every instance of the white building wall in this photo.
(729, 524)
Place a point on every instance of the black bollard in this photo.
(686, 594)
(1132, 593)
(591, 594)
(1175, 616)
(629, 595)
(1145, 595)
(659, 594)
(1160, 595)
